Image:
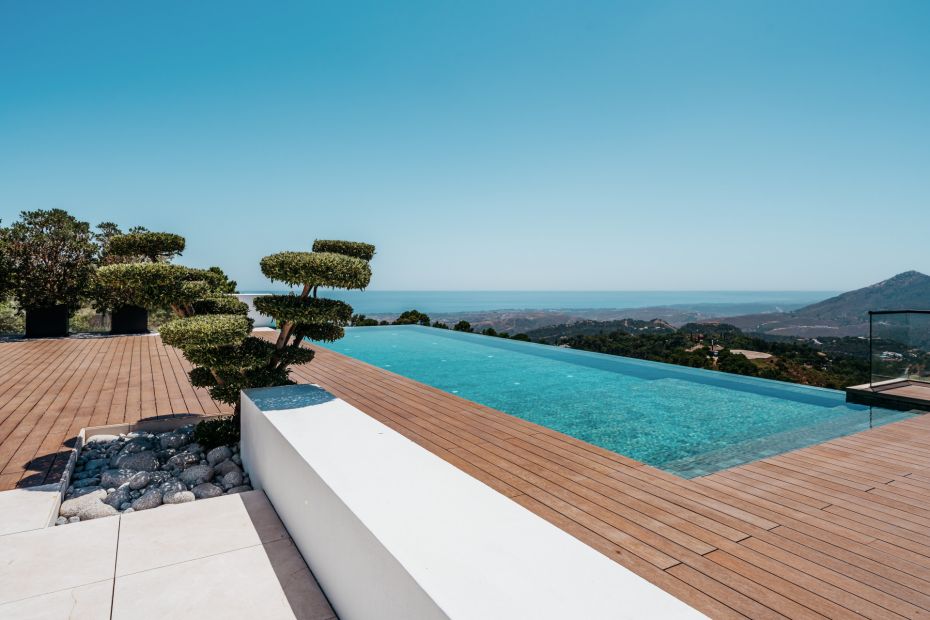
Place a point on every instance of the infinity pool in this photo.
(686, 421)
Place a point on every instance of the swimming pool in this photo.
(686, 421)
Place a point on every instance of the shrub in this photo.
(212, 330)
(221, 304)
(412, 317)
(50, 258)
(11, 319)
(147, 285)
(218, 281)
(462, 326)
(228, 359)
(217, 432)
(440, 325)
(364, 251)
(360, 320)
(313, 270)
(146, 245)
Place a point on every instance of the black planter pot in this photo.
(47, 322)
(129, 320)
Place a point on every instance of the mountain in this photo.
(846, 314)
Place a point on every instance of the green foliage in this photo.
(412, 317)
(440, 325)
(50, 259)
(227, 358)
(6, 269)
(360, 320)
(86, 320)
(299, 309)
(217, 432)
(364, 251)
(489, 331)
(147, 245)
(521, 336)
(314, 269)
(220, 304)
(837, 363)
(211, 330)
(11, 319)
(218, 281)
(320, 332)
(462, 326)
(147, 285)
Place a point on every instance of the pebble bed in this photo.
(138, 471)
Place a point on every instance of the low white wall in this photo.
(392, 531)
(261, 320)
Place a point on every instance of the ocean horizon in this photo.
(373, 302)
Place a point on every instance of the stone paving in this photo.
(226, 557)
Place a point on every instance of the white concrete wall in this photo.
(261, 320)
(392, 531)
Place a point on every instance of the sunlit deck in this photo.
(50, 389)
(898, 393)
(841, 529)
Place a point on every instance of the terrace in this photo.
(899, 351)
(833, 530)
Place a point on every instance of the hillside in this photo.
(591, 328)
(846, 314)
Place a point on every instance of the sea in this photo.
(374, 302)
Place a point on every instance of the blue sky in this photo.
(487, 145)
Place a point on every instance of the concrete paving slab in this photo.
(270, 582)
(88, 602)
(33, 508)
(181, 532)
(58, 558)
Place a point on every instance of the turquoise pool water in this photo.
(687, 421)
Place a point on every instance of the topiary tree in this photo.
(145, 245)
(137, 277)
(50, 257)
(228, 359)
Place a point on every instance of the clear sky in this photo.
(487, 145)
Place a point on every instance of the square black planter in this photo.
(47, 322)
(129, 320)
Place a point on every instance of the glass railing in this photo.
(899, 346)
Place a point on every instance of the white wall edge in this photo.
(392, 531)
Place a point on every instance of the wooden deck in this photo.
(50, 389)
(837, 530)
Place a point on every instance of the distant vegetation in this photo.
(834, 363)
(827, 362)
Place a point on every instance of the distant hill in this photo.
(846, 314)
(592, 328)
